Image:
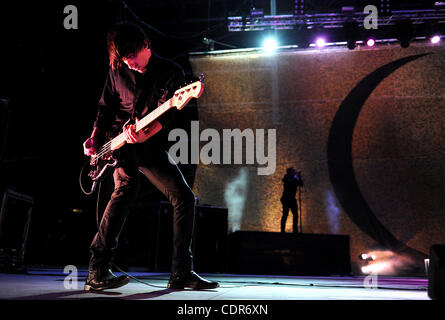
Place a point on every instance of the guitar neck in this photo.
(152, 116)
(120, 140)
(179, 100)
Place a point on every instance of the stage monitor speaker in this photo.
(436, 272)
(210, 236)
(275, 253)
(15, 221)
(209, 239)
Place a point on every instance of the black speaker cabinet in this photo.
(436, 272)
(253, 252)
(209, 238)
(15, 221)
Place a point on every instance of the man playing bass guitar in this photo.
(137, 82)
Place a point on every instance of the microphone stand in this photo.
(299, 208)
(300, 214)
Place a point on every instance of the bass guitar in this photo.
(103, 162)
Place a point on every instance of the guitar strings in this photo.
(106, 148)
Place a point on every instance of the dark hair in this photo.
(124, 39)
(288, 170)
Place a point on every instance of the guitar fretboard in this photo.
(152, 116)
(180, 98)
(119, 140)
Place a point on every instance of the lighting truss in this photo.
(331, 20)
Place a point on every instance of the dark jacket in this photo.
(128, 94)
(290, 185)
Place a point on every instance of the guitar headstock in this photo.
(183, 95)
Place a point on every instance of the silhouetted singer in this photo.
(291, 181)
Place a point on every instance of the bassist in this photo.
(137, 82)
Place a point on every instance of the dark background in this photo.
(53, 78)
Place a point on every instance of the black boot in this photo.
(103, 278)
(190, 279)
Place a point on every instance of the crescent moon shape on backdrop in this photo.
(339, 152)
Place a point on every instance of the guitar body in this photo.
(104, 161)
(101, 168)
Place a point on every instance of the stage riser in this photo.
(288, 254)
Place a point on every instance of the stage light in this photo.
(209, 43)
(320, 42)
(256, 13)
(375, 268)
(367, 257)
(439, 5)
(434, 31)
(348, 10)
(270, 45)
(435, 39)
(370, 42)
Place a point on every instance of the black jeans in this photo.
(169, 180)
(292, 205)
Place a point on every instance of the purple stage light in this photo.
(370, 42)
(435, 39)
(320, 42)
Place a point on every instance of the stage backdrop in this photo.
(366, 128)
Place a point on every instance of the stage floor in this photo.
(53, 284)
